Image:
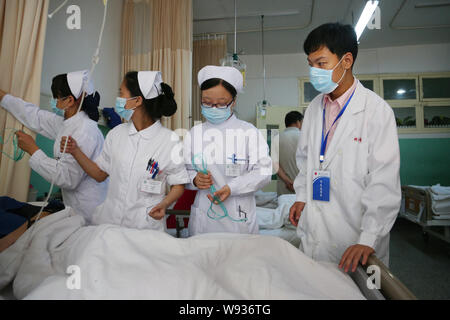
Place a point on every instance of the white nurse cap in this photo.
(150, 83)
(230, 74)
(75, 80)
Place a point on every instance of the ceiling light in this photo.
(367, 13)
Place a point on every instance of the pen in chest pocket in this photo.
(153, 168)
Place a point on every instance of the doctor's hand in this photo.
(295, 212)
(26, 142)
(353, 254)
(203, 181)
(222, 194)
(72, 145)
(158, 211)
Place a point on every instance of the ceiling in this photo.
(403, 22)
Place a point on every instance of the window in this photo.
(368, 84)
(307, 92)
(399, 89)
(420, 101)
(435, 87)
(436, 116)
(405, 117)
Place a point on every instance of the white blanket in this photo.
(266, 199)
(120, 263)
(276, 218)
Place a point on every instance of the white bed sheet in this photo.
(120, 263)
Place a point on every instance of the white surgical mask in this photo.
(322, 79)
(55, 109)
(120, 108)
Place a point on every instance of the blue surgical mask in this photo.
(216, 115)
(55, 109)
(120, 108)
(322, 79)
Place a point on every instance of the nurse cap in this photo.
(75, 80)
(150, 83)
(230, 74)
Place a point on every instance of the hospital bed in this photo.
(429, 207)
(198, 267)
(391, 288)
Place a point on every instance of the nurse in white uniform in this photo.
(140, 157)
(227, 159)
(79, 191)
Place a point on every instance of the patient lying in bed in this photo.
(16, 217)
(120, 263)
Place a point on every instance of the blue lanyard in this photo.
(324, 140)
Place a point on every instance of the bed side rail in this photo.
(391, 287)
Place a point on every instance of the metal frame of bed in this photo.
(391, 288)
(416, 207)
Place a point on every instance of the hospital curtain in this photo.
(157, 35)
(22, 35)
(206, 51)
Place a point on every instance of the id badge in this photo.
(321, 185)
(233, 170)
(150, 185)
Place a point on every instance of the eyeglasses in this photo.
(62, 99)
(218, 106)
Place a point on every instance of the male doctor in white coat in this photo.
(348, 190)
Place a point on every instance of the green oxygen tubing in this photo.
(17, 153)
(212, 214)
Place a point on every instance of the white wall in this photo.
(71, 50)
(283, 71)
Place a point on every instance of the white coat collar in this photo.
(77, 117)
(147, 133)
(346, 124)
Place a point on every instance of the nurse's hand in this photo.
(203, 181)
(72, 145)
(352, 256)
(295, 212)
(158, 211)
(26, 142)
(222, 194)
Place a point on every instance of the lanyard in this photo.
(324, 140)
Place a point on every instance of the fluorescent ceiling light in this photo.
(401, 91)
(367, 13)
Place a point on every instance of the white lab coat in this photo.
(125, 158)
(255, 173)
(365, 192)
(79, 191)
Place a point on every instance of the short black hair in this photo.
(337, 37)
(60, 89)
(162, 105)
(211, 83)
(292, 117)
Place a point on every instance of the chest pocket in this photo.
(354, 158)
